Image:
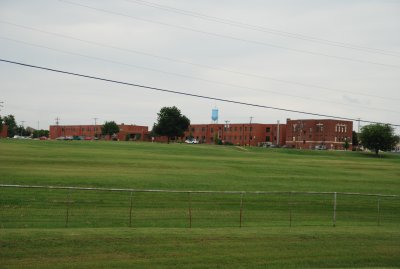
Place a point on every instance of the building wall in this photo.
(93, 130)
(326, 133)
(4, 130)
(238, 133)
(135, 132)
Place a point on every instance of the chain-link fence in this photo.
(52, 207)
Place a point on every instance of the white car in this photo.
(194, 141)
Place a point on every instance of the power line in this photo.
(191, 63)
(232, 37)
(188, 94)
(196, 78)
(264, 29)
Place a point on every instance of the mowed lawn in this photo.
(33, 231)
(200, 248)
(194, 167)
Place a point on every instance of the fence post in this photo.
(130, 211)
(290, 210)
(67, 211)
(190, 210)
(241, 210)
(379, 213)
(334, 209)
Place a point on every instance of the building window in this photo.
(268, 129)
(268, 138)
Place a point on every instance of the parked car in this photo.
(320, 147)
(193, 141)
(43, 138)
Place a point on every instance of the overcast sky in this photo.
(337, 58)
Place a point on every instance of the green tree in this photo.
(40, 133)
(21, 130)
(1, 123)
(217, 141)
(170, 123)
(109, 128)
(354, 138)
(12, 125)
(346, 144)
(378, 137)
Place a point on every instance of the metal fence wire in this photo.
(55, 207)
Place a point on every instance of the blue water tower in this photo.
(214, 115)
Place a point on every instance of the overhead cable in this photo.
(241, 39)
(264, 29)
(189, 94)
(205, 66)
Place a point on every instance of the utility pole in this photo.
(251, 119)
(358, 131)
(57, 122)
(95, 128)
(227, 126)
(277, 136)
(22, 126)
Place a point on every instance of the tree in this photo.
(12, 125)
(346, 144)
(40, 133)
(354, 141)
(1, 124)
(170, 123)
(109, 128)
(378, 137)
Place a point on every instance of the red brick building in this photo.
(322, 134)
(238, 133)
(4, 131)
(133, 132)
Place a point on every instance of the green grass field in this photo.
(33, 233)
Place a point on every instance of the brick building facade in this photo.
(238, 133)
(322, 134)
(4, 131)
(300, 134)
(134, 132)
